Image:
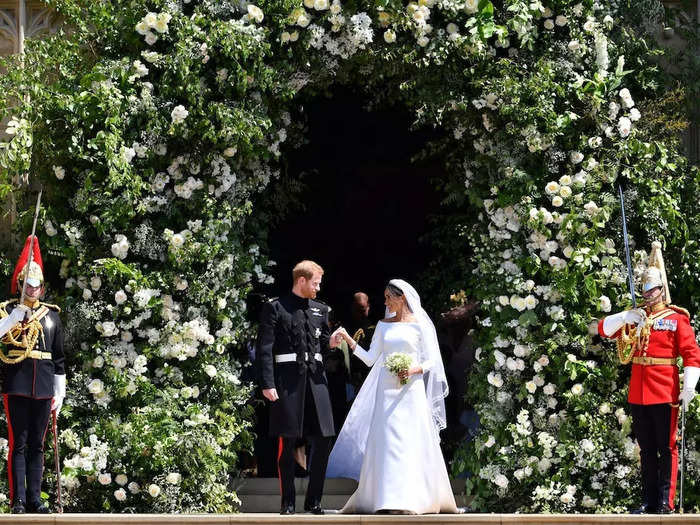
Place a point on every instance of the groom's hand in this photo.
(270, 394)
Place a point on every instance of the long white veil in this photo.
(346, 457)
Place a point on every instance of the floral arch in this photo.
(154, 129)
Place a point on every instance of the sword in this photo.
(31, 247)
(630, 274)
(57, 462)
(682, 455)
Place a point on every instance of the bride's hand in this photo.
(405, 374)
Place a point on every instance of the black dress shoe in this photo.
(19, 508)
(313, 508)
(664, 509)
(40, 507)
(287, 509)
(643, 509)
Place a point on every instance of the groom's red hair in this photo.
(305, 269)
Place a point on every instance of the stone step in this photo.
(331, 519)
(263, 494)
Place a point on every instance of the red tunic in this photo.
(671, 336)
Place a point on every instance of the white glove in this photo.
(59, 392)
(613, 323)
(16, 316)
(691, 374)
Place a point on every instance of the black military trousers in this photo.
(320, 448)
(27, 423)
(655, 427)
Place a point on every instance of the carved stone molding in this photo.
(40, 21)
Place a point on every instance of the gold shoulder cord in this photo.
(633, 339)
(23, 336)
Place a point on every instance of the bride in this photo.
(390, 441)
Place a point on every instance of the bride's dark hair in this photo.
(394, 290)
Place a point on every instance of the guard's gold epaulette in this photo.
(680, 310)
(53, 307)
(5, 304)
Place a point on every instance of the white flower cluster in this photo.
(157, 22)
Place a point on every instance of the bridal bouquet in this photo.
(397, 363)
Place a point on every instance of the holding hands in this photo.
(338, 336)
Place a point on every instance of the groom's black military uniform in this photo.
(293, 338)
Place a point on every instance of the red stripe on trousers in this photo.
(11, 447)
(279, 471)
(674, 455)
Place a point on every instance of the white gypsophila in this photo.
(601, 48)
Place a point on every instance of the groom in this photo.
(294, 334)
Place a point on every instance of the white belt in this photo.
(291, 358)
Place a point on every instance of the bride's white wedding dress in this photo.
(390, 441)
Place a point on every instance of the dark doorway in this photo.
(365, 203)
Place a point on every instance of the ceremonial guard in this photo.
(33, 377)
(293, 338)
(653, 338)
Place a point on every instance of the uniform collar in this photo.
(298, 301)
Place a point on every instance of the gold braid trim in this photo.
(679, 309)
(634, 340)
(23, 336)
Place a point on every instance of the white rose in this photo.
(565, 180)
(59, 172)
(154, 490)
(120, 297)
(303, 20)
(557, 201)
(565, 192)
(561, 20)
(96, 386)
(120, 494)
(549, 24)
(87, 294)
(549, 389)
(95, 283)
(604, 303)
(452, 28)
(104, 478)
(587, 445)
(566, 498)
(595, 142)
(591, 208)
(471, 6)
(635, 115)
(210, 370)
(121, 479)
(501, 481)
(577, 389)
(173, 478)
(543, 360)
(530, 302)
(98, 362)
(503, 300)
(151, 38)
(568, 250)
(589, 26)
(255, 13)
(531, 387)
(604, 408)
(576, 157)
(389, 36)
(552, 188)
(624, 126)
(177, 241)
(423, 41)
(321, 5)
(495, 379)
(134, 487)
(231, 151)
(179, 114)
(50, 229)
(626, 98)
(491, 441)
(574, 45)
